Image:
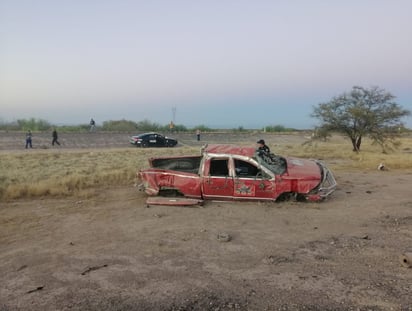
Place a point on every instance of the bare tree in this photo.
(363, 112)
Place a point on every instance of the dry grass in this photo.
(58, 173)
(338, 153)
(61, 173)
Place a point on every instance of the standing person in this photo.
(54, 135)
(28, 139)
(92, 125)
(262, 147)
(198, 134)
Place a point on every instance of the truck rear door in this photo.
(217, 181)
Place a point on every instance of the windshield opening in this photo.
(274, 163)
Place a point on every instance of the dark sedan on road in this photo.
(152, 140)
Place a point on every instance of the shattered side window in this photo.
(219, 167)
(274, 163)
(245, 169)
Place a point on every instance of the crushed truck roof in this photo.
(229, 149)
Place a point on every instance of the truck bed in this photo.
(188, 164)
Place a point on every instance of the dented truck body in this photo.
(229, 172)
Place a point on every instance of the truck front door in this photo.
(251, 182)
(217, 182)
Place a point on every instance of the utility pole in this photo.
(174, 115)
(173, 122)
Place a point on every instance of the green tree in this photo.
(362, 113)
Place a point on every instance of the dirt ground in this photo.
(112, 252)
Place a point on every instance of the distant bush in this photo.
(147, 126)
(9, 126)
(239, 129)
(321, 133)
(176, 128)
(202, 128)
(278, 128)
(26, 124)
(119, 126)
(34, 124)
(180, 128)
(81, 128)
(39, 125)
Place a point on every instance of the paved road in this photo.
(16, 140)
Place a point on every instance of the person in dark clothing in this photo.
(262, 147)
(28, 139)
(92, 125)
(54, 135)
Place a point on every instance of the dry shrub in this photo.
(39, 189)
(86, 193)
(74, 182)
(15, 191)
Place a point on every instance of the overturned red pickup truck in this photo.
(229, 172)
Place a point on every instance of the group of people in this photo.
(29, 136)
(55, 136)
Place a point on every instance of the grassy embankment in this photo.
(79, 173)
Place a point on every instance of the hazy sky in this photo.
(220, 63)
